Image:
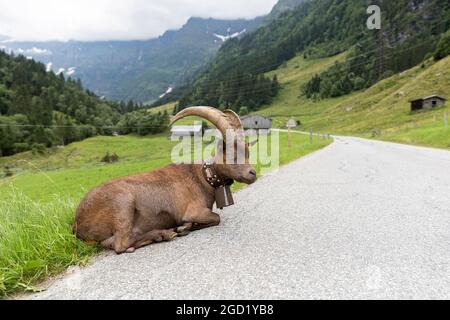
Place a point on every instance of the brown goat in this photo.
(132, 212)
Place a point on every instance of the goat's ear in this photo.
(251, 144)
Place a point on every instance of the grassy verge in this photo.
(432, 135)
(36, 241)
(37, 204)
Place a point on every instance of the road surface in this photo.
(359, 219)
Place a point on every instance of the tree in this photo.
(7, 140)
(79, 84)
(359, 83)
(21, 102)
(275, 85)
(443, 47)
(243, 111)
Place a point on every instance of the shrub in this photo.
(8, 172)
(38, 148)
(21, 147)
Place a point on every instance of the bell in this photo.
(224, 197)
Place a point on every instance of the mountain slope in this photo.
(381, 111)
(323, 28)
(138, 70)
(39, 108)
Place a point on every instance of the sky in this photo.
(91, 20)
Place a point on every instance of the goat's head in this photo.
(233, 163)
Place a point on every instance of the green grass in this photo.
(37, 204)
(36, 241)
(432, 135)
(166, 107)
(383, 108)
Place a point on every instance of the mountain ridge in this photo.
(282, 6)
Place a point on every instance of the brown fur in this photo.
(128, 213)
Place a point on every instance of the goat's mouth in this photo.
(248, 179)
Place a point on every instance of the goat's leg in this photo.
(200, 218)
(124, 237)
(184, 230)
(108, 244)
(153, 237)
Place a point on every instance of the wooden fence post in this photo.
(289, 137)
(310, 136)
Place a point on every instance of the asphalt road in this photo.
(359, 219)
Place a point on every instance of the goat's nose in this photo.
(253, 172)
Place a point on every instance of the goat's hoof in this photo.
(182, 231)
(173, 236)
(130, 250)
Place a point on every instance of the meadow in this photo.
(381, 111)
(38, 202)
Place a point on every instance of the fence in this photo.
(312, 135)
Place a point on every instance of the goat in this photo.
(129, 213)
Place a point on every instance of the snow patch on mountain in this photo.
(169, 90)
(229, 36)
(71, 71)
(49, 66)
(67, 72)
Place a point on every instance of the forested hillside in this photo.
(40, 109)
(322, 28)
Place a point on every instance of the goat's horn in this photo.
(236, 122)
(234, 119)
(221, 120)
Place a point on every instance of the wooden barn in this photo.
(427, 102)
(256, 122)
(187, 131)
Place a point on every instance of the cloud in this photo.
(90, 20)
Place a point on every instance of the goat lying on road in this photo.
(133, 212)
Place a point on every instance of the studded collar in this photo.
(213, 178)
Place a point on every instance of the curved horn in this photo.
(234, 119)
(215, 116)
(236, 122)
